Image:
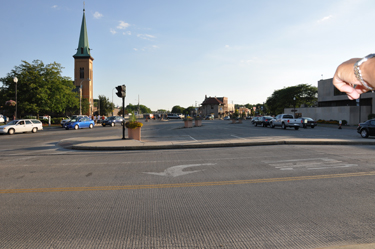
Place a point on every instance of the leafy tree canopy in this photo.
(177, 109)
(290, 97)
(104, 105)
(40, 89)
(134, 108)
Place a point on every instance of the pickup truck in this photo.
(286, 120)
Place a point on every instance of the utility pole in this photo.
(138, 105)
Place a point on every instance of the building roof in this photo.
(83, 43)
(212, 101)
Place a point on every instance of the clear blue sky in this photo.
(176, 52)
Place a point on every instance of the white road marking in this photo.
(309, 163)
(238, 137)
(192, 138)
(177, 170)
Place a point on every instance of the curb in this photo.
(75, 145)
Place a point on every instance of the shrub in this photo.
(56, 120)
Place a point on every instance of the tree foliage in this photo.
(177, 109)
(104, 105)
(40, 89)
(134, 108)
(284, 98)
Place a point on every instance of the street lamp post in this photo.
(15, 79)
(294, 107)
(80, 96)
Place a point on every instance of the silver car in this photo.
(20, 126)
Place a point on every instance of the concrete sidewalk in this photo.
(154, 143)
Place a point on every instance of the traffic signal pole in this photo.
(121, 93)
(123, 117)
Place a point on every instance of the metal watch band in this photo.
(358, 73)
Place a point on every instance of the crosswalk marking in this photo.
(309, 164)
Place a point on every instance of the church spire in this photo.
(83, 44)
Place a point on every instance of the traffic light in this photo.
(121, 91)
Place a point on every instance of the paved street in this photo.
(276, 196)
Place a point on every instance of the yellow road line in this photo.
(183, 185)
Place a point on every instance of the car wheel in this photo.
(66, 128)
(283, 126)
(76, 127)
(103, 124)
(91, 126)
(364, 133)
(272, 126)
(11, 131)
(112, 124)
(296, 128)
(304, 126)
(256, 124)
(312, 127)
(34, 130)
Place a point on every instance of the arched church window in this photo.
(81, 72)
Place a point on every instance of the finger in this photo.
(344, 87)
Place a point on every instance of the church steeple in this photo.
(83, 68)
(83, 49)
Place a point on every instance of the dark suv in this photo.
(367, 128)
(112, 121)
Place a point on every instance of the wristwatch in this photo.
(357, 71)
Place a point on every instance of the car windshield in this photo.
(111, 118)
(12, 122)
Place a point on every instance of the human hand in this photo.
(345, 81)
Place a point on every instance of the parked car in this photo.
(286, 120)
(209, 117)
(308, 122)
(227, 118)
(79, 123)
(249, 117)
(367, 128)
(265, 121)
(173, 116)
(255, 120)
(20, 126)
(66, 120)
(2, 120)
(112, 121)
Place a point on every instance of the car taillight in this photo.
(288, 120)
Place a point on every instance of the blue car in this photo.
(79, 123)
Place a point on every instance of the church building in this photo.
(83, 68)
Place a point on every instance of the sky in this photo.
(171, 53)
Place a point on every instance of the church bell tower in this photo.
(83, 70)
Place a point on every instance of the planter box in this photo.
(135, 133)
(198, 122)
(188, 124)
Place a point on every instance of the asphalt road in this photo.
(284, 196)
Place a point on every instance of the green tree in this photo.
(290, 97)
(40, 89)
(177, 109)
(189, 110)
(134, 108)
(104, 105)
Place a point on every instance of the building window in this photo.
(81, 50)
(81, 72)
(212, 107)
